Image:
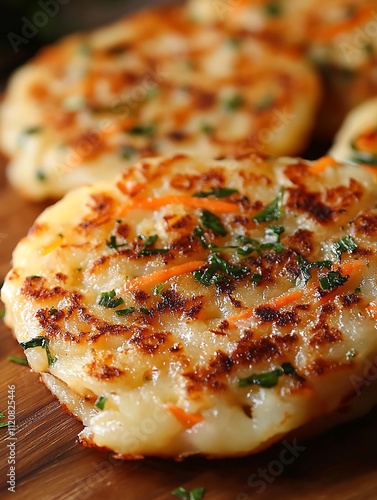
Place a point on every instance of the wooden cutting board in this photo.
(52, 465)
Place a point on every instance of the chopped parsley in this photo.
(219, 270)
(216, 193)
(107, 299)
(273, 211)
(207, 128)
(40, 342)
(18, 360)
(271, 378)
(234, 103)
(306, 266)
(250, 245)
(149, 241)
(345, 244)
(127, 152)
(125, 312)
(33, 130)
(40, 175)
(194, 494)
(112, 243)
(213, 222)
(145, 311)
(2, 314)
(256, 278)
(147, 130)
(3, 424)
(273, 9)
(100, 402)
(332, 280)
(157, 289)
(52, 311)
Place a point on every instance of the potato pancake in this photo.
(155, 83)
(340, 36)
(201, 306)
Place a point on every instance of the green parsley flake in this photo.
(147, 130)
(273, 9)
(149, 241)
(271, 378)
(40, 175)
(157, 289)
(216, 193)
(18, 360)
(306, 266)
(100, 402)
(194, 494)
(40, 342)
(332, 280)
(219, 270)
(112, 243)
(127, 152)
(234, 103)
(3, 424)
(213, 222)
(273, 211)
(345, 244)
(107, 299)
(125, 312)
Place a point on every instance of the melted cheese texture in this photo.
(156, 294)
(153, 84)
(338, 35)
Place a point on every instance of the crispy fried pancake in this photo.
(155, 83)
(203, 307)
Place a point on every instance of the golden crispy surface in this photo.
(338, 35)
(152, 84)
(199, 299)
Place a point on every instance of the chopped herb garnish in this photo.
(33, 130)
(194, 494)
(35, 277)
(40, 342)
(112, 243)
(273, 9)
(206, 128)
(18, 360)
(107, 299)
(148, 242)
(125, 312)
(146, 311)
(271, 378)
(127, 152)
(256, 278)
(100, 402)
(234, 103)
(216, 193)
(306, 266)
(360, 156)
(147, 130)
(40, 175)
(158, 289)
(234, 42)
(212, 222)
(249, 245)
(2, 314)
(332, 280)
(152, 93)
(358, 290)
(219, 270)
(3, 424)
(273, 233)
(345, 244)
(52, 311)
(273, 211)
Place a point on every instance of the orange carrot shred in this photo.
(246, 313)
(190, 201)
(161, 276)
(322, 163)
(285, 299)
(188, 420)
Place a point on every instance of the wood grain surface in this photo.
(52, 465)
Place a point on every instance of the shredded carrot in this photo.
(131, 190)
(161, 276)
(372, 309)
(327, 33)
(188, 420)
(322, 163)
(191, 201)
(246, 313)
(285, 299)
(367, 142)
